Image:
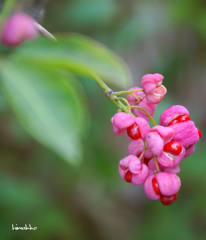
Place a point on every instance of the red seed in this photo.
(134, 132)
(128, 176)
(167, 200)
(199, 132)
(174, 121)
(155, 186)
(183, 118)
(174, 148)
(179, 119)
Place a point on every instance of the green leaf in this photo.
(50, 108)
(79, 54)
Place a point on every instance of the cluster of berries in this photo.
(18, 28)
(155, 153)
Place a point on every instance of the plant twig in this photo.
(44, 32)
(151, 118)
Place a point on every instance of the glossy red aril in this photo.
(173, 147)
(134, 132)
(199, 132)
(174, 121)
(155, 186)
(179, 119)
(167, 200)
(183, 118)
(128, 176)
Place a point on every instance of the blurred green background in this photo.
(91, 201)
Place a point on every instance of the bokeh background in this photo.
(91, 201)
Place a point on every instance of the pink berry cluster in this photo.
(155, 153)
(18, 28)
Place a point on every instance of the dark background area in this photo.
(91, 201)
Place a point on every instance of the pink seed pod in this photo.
(149, 190)
(132, 170)
(171, 113)
(185, 133)
(157, 95)
(120, 121)
(169, 159)
(143, 127)
(153, 88)
(168, 184)
(177, 118)
(157, 137)
(175, 170)
(189, 150)
(143, 103)
(17, 29)
(135, 147)
(135, 127)
(149, 82)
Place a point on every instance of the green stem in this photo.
(109, 93)
(145, 145)
(127, 92)
(44, 32)
(125, 100)
(119, 109)
(6, 10)
(122, 106)
(141, 156)
(156, 164)
(151, 118)
(138, 98)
